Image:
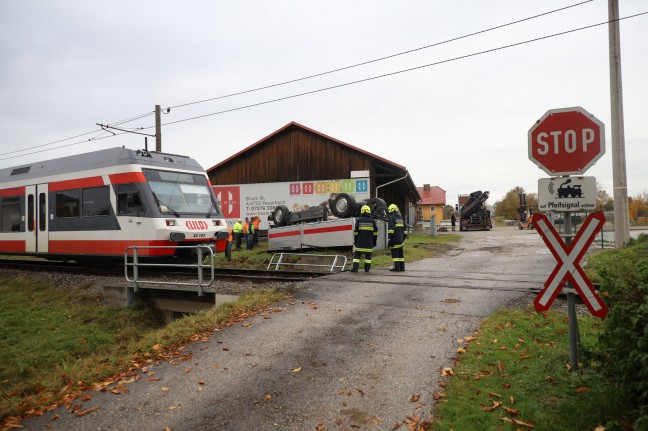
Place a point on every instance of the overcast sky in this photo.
(461, 125)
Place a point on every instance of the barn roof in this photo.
(293, 123)
(390, 171)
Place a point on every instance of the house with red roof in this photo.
(433, 199)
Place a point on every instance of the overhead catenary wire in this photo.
(411, 69)
(137, 117)
(343, 84)
(409, 51)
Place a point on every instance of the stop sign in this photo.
(566, 141)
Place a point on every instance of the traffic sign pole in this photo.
(568, 254)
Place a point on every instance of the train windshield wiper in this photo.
(164, 208)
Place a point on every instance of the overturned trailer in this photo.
(313, 229)
(473, 213)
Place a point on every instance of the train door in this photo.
(36, 221)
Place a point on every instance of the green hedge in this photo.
(624, 341)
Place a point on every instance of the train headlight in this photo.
(177, 236)
(222, 234)
(170, 222)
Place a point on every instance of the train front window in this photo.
(181, 193)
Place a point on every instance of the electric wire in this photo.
(461, 57)
(338, 85)
(137, 117)
(381, 58)
(74, 137)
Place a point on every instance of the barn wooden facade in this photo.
(297, 153)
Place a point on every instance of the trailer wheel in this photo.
(343, 205)
(280, 215)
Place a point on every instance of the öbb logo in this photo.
(197, 225)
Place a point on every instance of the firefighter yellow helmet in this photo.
(365, 209)
(392, 208)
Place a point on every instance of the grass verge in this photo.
(56, 343)
(418, 246)
(514, 374)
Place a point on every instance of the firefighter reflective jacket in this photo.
(365, 234)
(396, 230)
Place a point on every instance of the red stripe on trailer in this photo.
(127, 177)
(327, 229)
(109, 248)
(76, 184)
(13, 191)
(282, 234)
(12, 246)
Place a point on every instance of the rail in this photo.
(136, 265)
(336, 258)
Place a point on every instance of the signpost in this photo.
(568, 142)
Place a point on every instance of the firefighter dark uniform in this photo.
(397, 235)
(365, 237)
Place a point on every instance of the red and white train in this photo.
(97, 204)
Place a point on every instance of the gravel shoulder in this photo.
(351, 351)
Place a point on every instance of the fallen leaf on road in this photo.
(296, 370)
(415, 398)
(267, 397)
(85, 412)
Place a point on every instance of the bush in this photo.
(624, 342)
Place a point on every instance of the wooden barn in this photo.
(298, 153)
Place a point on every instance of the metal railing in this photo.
(136, 264)
(281, 260)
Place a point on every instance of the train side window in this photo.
(68, 203)
(96, 202)
(30, 213)
(10, 215)
(129, 204)
(42, 216)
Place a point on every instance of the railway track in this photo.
(223, 274)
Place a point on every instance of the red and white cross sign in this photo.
(568, 268)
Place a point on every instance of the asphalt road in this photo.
(351, 352)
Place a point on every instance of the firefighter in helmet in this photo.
(365, 236)
(396, 235)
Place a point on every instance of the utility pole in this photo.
(158, 130)
(619, 177)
